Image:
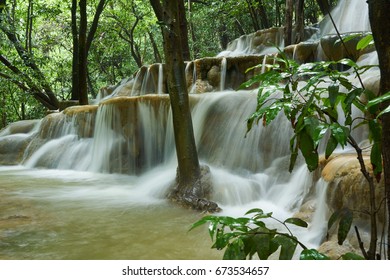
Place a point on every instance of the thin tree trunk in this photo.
(83, 84)
(288, 22)
(300, 21)
(324, 6)
(263, 14)
(156, 52)
(278, 20)
(239, 27)
(380, 25)
(253, 14)
(94, 25)
(29, 24)
(183, 31)
(75, 60)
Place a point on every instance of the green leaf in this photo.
(376, 158)
(364, 42)
(296, 221)
(347, 38)
(385, 111)
(375, 131)
(346, 217)
(312, 254)
(221, 240)
(213, 228)
(351, 97)
(308, 149)
(262, 246)
(235, 251)
(272, 112)
(352, 256)
(315, 129)
(331, 146)
(333, 218)
(340, 133)
(255, 210)
(348, 62)
(294, 154)
(378, 100)
(288, 246)
(201, 222)
(334, 92)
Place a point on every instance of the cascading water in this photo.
(223, 74)
(125, 150)
(160, 79)
(349, 16)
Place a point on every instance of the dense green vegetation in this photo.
(36, 43)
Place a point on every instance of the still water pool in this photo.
(53, 214)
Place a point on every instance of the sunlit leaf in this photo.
(315, 128)
(378, 100)
(385, 111)
(312, 254)
(340, 133)
(365, 42)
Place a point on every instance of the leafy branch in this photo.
(318, 100)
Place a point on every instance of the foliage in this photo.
(319, 100)
(110, 59)
(245, 237)
(313, 106)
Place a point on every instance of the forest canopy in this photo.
(37, 43)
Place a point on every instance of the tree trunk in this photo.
(81, 45)
(288, 22)
(253, 14)
(223, 36)
(183, 30)
(300, 21)
(29, 24)
(324, 6)
(156, 52)
(83, 81)
(380, 25)
(3, 111)
(95, 22)
(189, 189)
(278, 20)
(263, 14)
(75, 60)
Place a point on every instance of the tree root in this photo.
(195, 195)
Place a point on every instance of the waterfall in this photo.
(160, 79)
(223, 74)
(194, 75)
(145, 88)
(349, 16)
